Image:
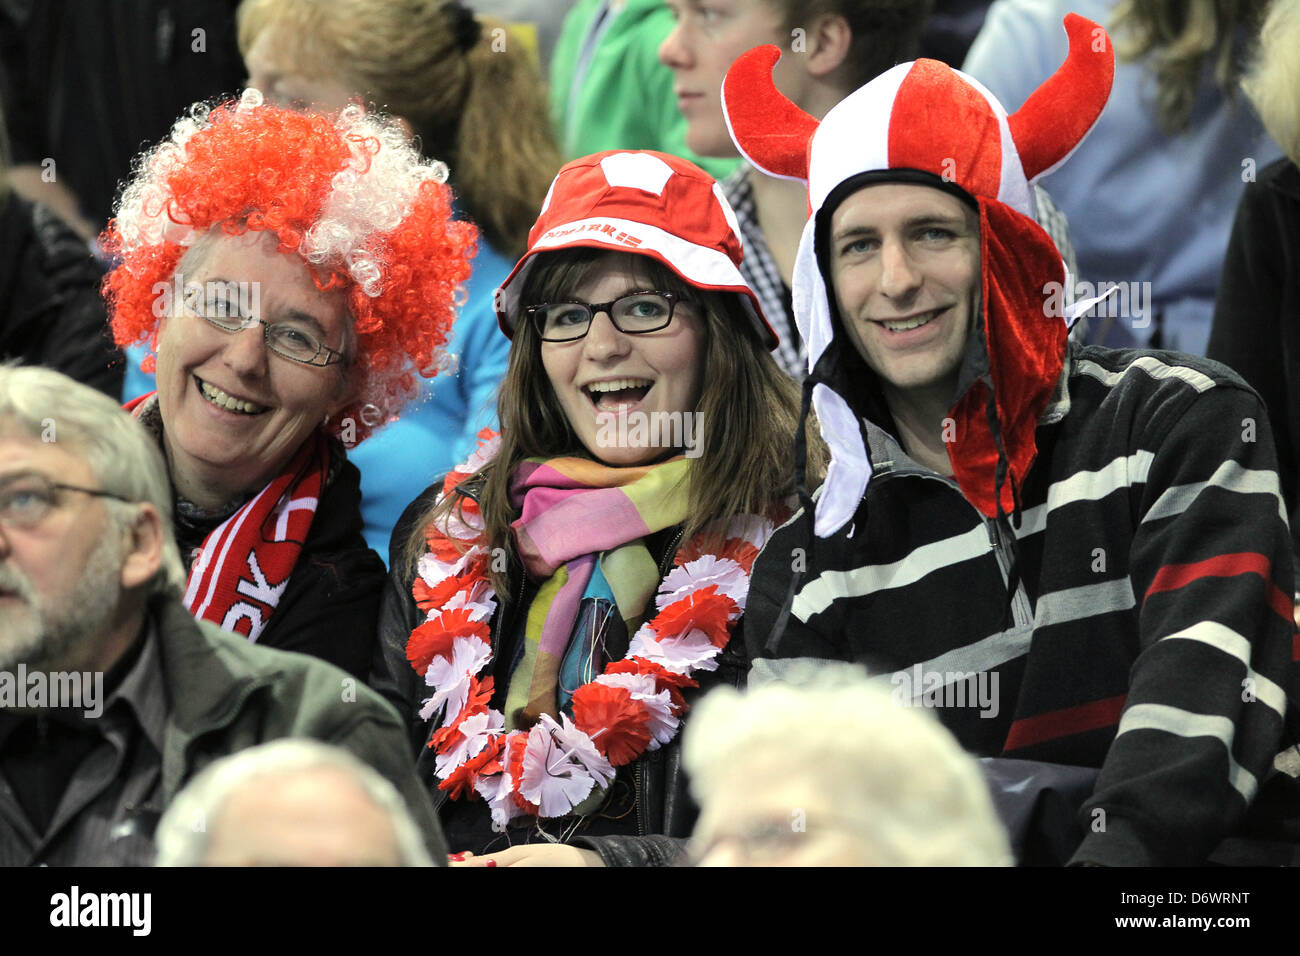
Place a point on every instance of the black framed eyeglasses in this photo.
(634, 313)
(295, 341)
(26, 497)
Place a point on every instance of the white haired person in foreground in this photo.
(829, 771)
(293, 802)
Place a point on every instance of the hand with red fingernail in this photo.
(533, 854)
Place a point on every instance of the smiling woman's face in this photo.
(234, 412)
(614, 387)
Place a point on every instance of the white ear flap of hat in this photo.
(850, 467)
(1076, 310)
(808, 297)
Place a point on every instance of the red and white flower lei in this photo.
(634, 706)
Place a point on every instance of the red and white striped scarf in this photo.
(240, 572)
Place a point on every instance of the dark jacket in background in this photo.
(51, 312)
(88, 84)
(1257, 314)
(330, 607)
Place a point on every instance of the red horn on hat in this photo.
(1059, 113)
(767, 128)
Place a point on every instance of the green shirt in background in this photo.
(609, 90)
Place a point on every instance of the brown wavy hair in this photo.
(1177, 38)
(750, 409)
(885, 32)
(471, 91)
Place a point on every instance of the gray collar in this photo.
(888, 457)
(1059, 406)
(142, 689)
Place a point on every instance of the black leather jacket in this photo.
(51, 312)
(664, 810)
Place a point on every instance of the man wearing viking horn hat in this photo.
(1079, 556)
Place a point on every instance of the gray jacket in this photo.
(219, 694)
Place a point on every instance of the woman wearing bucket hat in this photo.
(566, 589)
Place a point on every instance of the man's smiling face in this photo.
(905, 267)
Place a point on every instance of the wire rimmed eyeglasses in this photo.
(27, 497)
(634, 313)
(291, 340)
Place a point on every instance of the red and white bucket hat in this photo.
(646, 203)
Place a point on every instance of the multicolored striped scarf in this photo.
(574, 513)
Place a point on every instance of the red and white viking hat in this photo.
(642, 202)
(925, 117)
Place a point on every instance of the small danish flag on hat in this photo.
(646, 203)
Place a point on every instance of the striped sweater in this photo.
(1150, 633)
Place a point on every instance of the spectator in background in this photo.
(475, 103)
(51, 313)
(87, 83)
(826, 769)
(832, 47)
(541, 19)
(1151, 193)
(291, 271)
(951, 29)
(91, 580)
(608, 90)
(835, 47)
(1257, 316)
(289, 803)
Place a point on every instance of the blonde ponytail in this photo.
(506, 151)
(469, 89)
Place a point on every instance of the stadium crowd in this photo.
(649, 433)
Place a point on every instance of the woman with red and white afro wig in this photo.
(291, 274)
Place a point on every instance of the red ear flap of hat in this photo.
(768, 129)
(1026, 349)
(1057, 115)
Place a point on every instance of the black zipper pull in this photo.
(666, 564)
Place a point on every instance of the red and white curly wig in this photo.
(349, 194)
